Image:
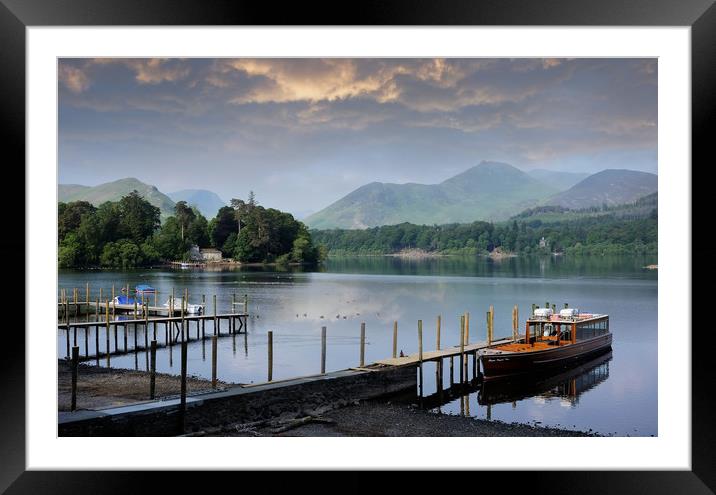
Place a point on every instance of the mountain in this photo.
(113, 191)
(610, 187)
(207, 202)
(560, 180)
(488, 191)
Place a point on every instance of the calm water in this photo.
(614, 395)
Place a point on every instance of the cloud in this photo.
(73, 78)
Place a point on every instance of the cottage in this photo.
(194, 253)
(210, 254)
(543, 243)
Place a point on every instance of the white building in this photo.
(210, 254)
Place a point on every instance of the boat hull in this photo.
(497, 366)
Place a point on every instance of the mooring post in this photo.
(270, 355)
(246, 303)
(203, 312)
(67, 322)
(487, 327)
(438, 332)
(467, 341)
(87, 341)
(215, 327)
(323, 350)
(395, 339)
(492, 323)
(96, 333)
(87, 300)
(214, 340)
(146, 325)
(362, 344)
(462, 349)
(420, 354)
(183, 313)
(75, 364)
(152, 368)
(135, 310)
(515, 322)
(74, 294)
(106, 305)
(182, 399)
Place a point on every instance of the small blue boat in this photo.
(145, 289)
(124, 299)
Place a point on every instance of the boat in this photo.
(551, 341)
(191, 309)
(125, 299)
(145, 289)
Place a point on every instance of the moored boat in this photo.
(190, 309)
(550, 341)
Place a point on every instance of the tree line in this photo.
(589, 235)
(128, 233)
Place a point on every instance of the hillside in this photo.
(207, 202)
(488, 191)
(557, 179)
(608, 187)
(644, 207)
(113, 191)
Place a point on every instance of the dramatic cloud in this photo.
(303, 132)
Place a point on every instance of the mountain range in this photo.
(490, 191)
(207, 202)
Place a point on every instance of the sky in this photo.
(303, 132)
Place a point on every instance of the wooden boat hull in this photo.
(511, 364)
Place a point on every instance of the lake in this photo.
(616, 394)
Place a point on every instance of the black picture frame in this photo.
(700, 15)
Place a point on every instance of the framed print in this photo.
(295, 224)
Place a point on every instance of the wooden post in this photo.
(135, 309)
(112, 292)
(214, 340)
(156, 293)
(67, 322)
(75, 364)
(462, 348)
(492, 323)
(182, 399)
(323, 350)
(270, 355)
(203, 312)
(106, 305)
(232, 327)
(146, 325)
(152, 368)
(420, 353)
(246, 303)
(487, 319)
(467, 328)
(87, 339)
(395, 339)
(215, 327)
(527, 332)
(114, 308)
(362, 344)
(87, 300)
(183, 313)
(438, 332)
(574, 333)
(74, 295)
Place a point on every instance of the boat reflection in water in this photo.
(567, 385)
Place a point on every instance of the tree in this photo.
(223, 226)
(184, 215)
(138, 218)
(69, 216)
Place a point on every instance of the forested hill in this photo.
(565, 232)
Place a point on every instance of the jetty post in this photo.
(75, 364)
(362, 344)
(462, 349)
(203, 305)
(232, 327)
(152, 368)
(323, 350)
(246, 303)
(420, 354)
(146, 325)
(515, 322)
(96, 334)
(395, 339)
(182, 399)
(467, 340)
(67, 322)
(106, 305)
(74, 296)
(215, 328)
(214, 340)
(87, 301)
(437, 332)
(492, 323)
(270, 355)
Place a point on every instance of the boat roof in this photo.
(556, 318)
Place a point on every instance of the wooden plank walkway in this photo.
(414, 359)
(142, 321)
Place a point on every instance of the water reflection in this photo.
(566, 385)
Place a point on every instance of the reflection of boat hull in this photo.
(523, 386)
(497, 366)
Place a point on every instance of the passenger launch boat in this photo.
(550, 341)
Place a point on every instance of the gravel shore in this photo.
(380, 419)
